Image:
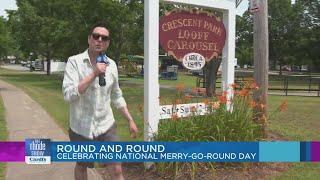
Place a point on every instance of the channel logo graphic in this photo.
(37, 151)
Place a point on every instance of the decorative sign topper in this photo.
(193, 61)
(183, 32)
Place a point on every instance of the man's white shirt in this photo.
(90, 112)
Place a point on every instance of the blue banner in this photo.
(43, 151)
(155, 151)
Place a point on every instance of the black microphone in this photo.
(102, 58)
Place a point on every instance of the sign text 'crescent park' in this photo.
(183, 32)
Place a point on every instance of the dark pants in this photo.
(110, 135)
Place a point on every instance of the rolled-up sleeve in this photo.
(116, 93)
(70, 82)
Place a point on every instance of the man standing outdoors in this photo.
(91, 116)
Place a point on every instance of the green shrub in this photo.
(219, 124)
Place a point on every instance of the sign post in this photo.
(151, 71)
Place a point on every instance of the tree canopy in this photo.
(57, 29)
(293, 34)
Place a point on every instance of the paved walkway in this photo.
(27, 119)
(18, 67)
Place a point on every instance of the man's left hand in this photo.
(133, 129)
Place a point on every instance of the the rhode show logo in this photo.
(37, 151)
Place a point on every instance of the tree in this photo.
(210, 75)
(244, 39)
(36, 28)
(308, 40)
(4, 39)
(126, 25)
(7, 44)
(293, 34)
(282, 25)
(59, 29)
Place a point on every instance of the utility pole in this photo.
(261, 62)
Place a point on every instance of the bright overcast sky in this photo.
(7, 4)
(242, 7)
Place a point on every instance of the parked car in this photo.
(304, 69)
(36, 65)
(286, 68)
(295, 68)
(23, 63)
(196, 72)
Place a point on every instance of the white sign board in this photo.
(183, 110)
(193, 61)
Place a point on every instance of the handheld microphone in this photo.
(102, 58)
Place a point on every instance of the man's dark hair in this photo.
(98, 24)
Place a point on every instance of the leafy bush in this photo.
(219, 124)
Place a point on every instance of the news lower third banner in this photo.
(44, 151)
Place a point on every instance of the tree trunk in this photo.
(48, 56)
(274, 64)
(211, 76)
(48, 66)
(261, 63)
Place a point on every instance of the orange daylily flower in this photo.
(253, 104)
(206, 101)
(244, 92)
(283, 106)
(262, 106)
(234, 86)
(180, 87)
(187, 97)
(216, 105)
(199, 91)
(174, 117)
(222, 99)
(177, 101)
(225, 93)
(254, 86)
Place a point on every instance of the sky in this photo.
(7, 4)
(242, 7)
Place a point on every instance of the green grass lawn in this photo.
(188, 80)
(3, 135)
(299, 123)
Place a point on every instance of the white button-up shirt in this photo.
(90, 112)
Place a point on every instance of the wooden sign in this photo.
(183, 32)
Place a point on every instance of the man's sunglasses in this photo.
(96, 36)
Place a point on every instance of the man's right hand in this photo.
(100, 69)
